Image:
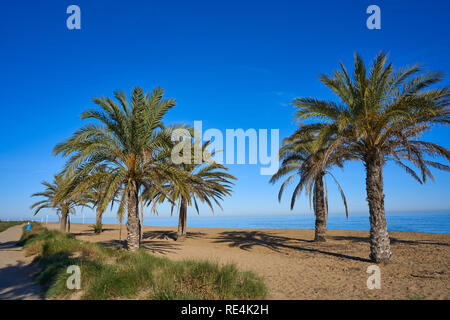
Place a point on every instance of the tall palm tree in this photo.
(52, 200)
(379, 116)
(298, 160)
(127, 139)
(204, 180)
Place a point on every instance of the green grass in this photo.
(7, 224)
(108, 273)
(97, 228)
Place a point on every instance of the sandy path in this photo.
(16, 272)
(294, 267)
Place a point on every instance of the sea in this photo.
(430, 222)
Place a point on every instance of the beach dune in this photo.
(294, 267)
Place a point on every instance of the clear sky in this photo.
(230, 64)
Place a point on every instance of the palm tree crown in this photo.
(299, 160)
(127, 140)
(205, 181)
(54, 199)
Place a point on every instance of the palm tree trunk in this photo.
(133, 223)
(142, 215)
(380, 250)
(181, 234)
(320, 211)
(98, 220)
(63, 220)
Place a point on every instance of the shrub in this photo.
(97, 228)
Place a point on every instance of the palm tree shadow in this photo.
(161, 247)
(246, 240)
(393, 240)
(10, 245)
(116, 244)
(14, 286)
(160, 235)
(349, 238)
(415, 242)
(90, 232)
(166, 235)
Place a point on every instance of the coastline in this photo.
(424, 222)
(294, 267)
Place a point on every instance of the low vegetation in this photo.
(7, 224)
(97, 228)
(108, 273)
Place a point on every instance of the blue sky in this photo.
(231, 64)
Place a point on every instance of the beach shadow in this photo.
(9, 245)
(169, 235)
(89, 232)
(161, 247)
(246, 240)
(17, 283)
(116, 244)
(349, 238)
(393, 240)
(160, 235)
(415, 242)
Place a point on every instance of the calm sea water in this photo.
(434, 222)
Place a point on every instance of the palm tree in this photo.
(93, 188)
(298, 160)
(379, 117)
(128, 138)
(205, 181)
(52, 200)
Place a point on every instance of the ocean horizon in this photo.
(427, 222)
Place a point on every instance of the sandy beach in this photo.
(294, 267)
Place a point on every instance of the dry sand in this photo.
(294, 267)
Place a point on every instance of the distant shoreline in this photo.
(429, 222)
